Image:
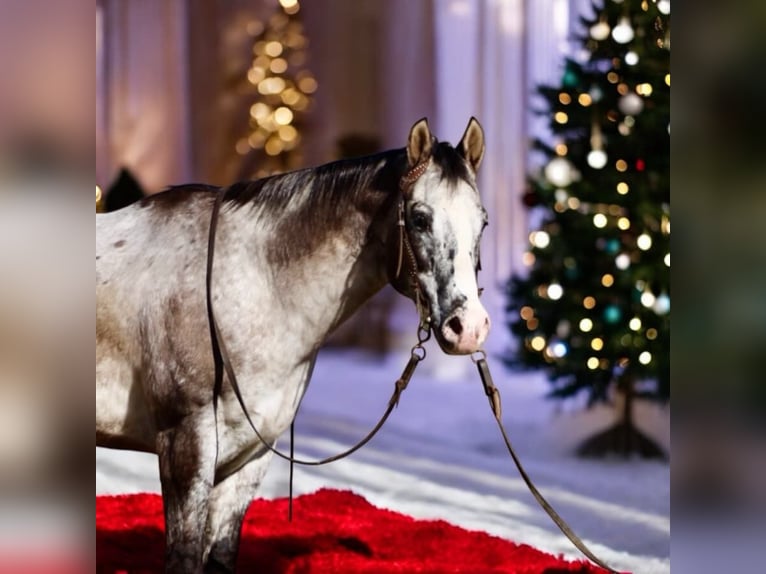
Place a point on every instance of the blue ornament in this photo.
(612, 246)
(612, 314)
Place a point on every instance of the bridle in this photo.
(405, 245)
(222, 362)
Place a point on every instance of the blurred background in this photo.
(176, 92)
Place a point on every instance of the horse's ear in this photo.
(420, 143)
(471, 147)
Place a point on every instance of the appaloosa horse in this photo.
(296, 255)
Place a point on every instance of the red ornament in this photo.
(640, 165)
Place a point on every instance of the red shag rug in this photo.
(332, 531)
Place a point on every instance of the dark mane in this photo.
(330, 193)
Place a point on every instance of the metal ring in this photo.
(414, 352)
(480, 352)
(422, 338)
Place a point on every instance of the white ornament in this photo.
(664, 6)
(623, 32)
(597, 158)
(631, 104)
(559, 172)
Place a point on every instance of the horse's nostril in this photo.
(455, 325)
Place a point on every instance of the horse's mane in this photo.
(308, 205)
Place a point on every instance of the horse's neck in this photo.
(322, 289)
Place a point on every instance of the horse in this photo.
(297, 254)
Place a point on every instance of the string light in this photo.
(667, 259)
(645, 358)
(281, 87)
(635, 324)
(599, 220)
(586, 325)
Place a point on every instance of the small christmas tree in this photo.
(594, 308)
(276, 90)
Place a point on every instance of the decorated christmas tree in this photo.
(275, 93)
(593, 306)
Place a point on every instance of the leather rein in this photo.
(222, 363)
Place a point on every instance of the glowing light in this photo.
(664, 6)
(622, 261)
(255, 75)
(647, 299)
(599, 220)
(559, 350)
(612, 78)
(592, 363)
(537, 343)
(561, 117)
(559, 172)
(561, 149)
(99, 194)
(644, 242)
(623, 32)
(623, 223)
(555, 291)
(242, 147)
(667, 259)
(631, 58)
(645, 358)
(585, 100)
(259, 111)
(273, 48)
(607, 280)
(288, 134)
(278, 65)
(288, 3)
(274, 146)
(573, 203)
(661, 304)
(308, 85)
(622, 188)
(651, 334)
(621, 165)
(631, 104)
(597, 344)
(586, 325)
(532, 324)
(539, 239)
(528, 258)
(589, 302)
(600, 31)
(526, 312)
(283, 116)
(635, 324)
(597, 158)
(565, 98)
(644, 89)
(667, 79)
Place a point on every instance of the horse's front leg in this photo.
(187, 468)
(229, 501)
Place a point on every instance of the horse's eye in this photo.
(421, 221)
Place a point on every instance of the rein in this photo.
(222, 363)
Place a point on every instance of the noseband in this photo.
(405, 184)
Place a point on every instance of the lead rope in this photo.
(493, 394)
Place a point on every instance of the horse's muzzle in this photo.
(465, 330)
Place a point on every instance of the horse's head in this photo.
(437, 251)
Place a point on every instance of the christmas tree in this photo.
(275, 90)
(593, 307)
